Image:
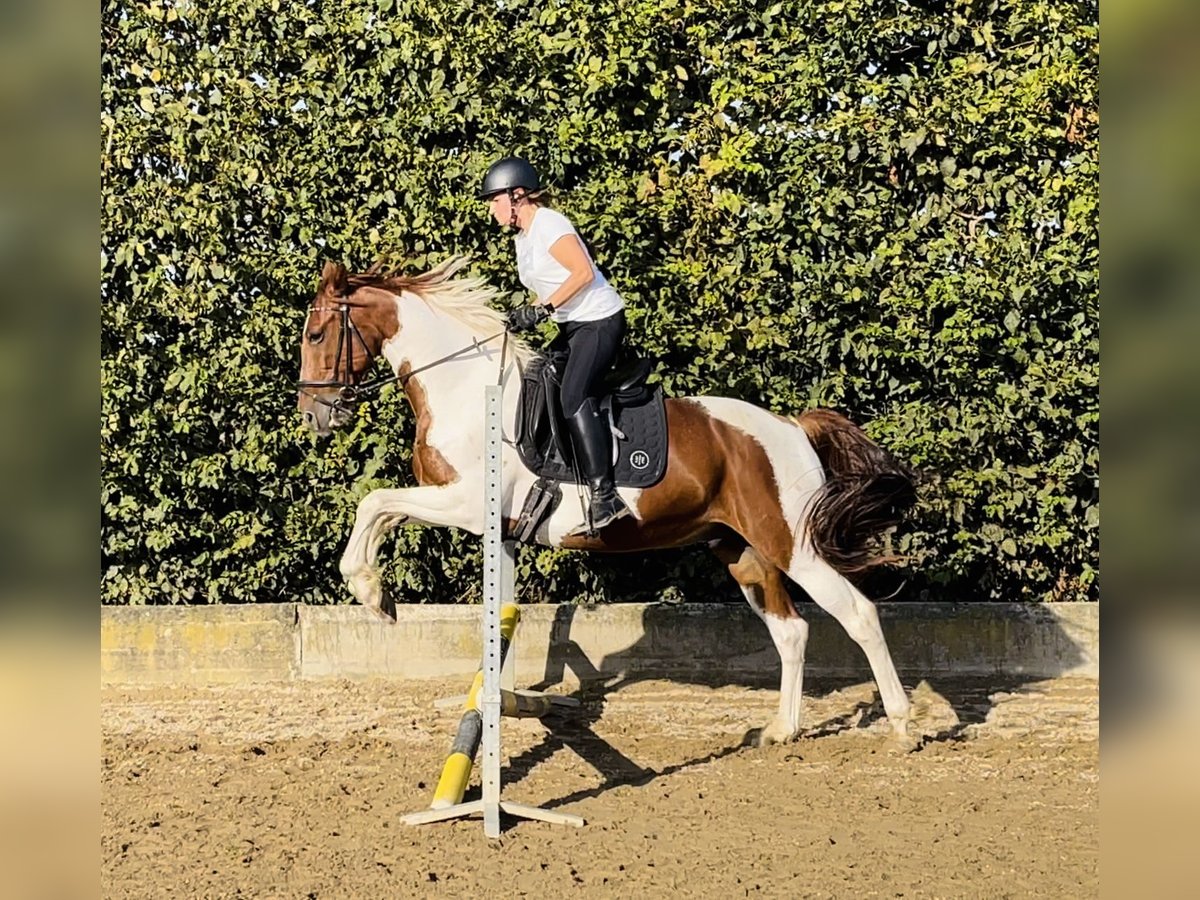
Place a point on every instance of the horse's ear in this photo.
(334, 277)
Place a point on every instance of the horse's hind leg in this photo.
(842, 600)
(763, 585)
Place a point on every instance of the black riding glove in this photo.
(526, 318)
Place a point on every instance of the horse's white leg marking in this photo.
(756, 577)
(837, 596)
(384, 509)
(791, 639)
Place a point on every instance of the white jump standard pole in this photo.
(498, 557)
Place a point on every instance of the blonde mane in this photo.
(466, 300)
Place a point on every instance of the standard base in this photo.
(476, 807)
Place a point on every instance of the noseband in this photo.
(343, 377)
(349, 389)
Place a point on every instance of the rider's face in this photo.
(501, 208)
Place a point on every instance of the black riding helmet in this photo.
(508, 174)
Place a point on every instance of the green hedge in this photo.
(888, 208)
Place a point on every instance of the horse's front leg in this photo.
(384, 509)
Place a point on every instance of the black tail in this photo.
(866, 492)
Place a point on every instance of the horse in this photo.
(802, 498)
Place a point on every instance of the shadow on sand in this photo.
(926, 640)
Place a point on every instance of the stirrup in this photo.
(619, 513)
(591, 527)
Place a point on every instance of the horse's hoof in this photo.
(386, 610)
(901, 740)
(901, 744)
(773, 734)
(367, 590)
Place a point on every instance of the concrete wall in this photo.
(152, 644)
(276, 642)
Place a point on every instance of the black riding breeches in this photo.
(591, 349)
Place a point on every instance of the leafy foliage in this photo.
(887, 208)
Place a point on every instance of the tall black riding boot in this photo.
(592, 440)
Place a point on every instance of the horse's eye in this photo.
(315, 337)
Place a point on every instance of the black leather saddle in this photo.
(635, 410)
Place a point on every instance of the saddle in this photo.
(637, 417)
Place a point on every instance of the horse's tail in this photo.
(866, 492)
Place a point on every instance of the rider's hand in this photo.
(526, 318)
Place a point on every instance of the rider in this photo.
(554, 263)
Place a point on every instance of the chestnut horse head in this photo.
(343, 333)
(803, 498)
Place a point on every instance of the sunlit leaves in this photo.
(890, 209)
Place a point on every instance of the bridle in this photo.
(345, 382)
(349, 388)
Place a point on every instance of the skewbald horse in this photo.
(773, 497)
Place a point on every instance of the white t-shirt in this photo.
(542, 274)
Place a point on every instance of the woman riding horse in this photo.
(553, 263)
(777, 499)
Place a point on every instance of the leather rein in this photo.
(349, 388)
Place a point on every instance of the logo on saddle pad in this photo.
(639, 459)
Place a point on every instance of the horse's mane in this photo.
(463, 299)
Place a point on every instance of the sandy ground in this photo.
(295, 790)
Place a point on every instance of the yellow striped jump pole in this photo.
(456, 772)
(479, 728)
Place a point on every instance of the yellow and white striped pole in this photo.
(480, 724)
(456, 772)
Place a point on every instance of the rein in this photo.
(349, 391)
